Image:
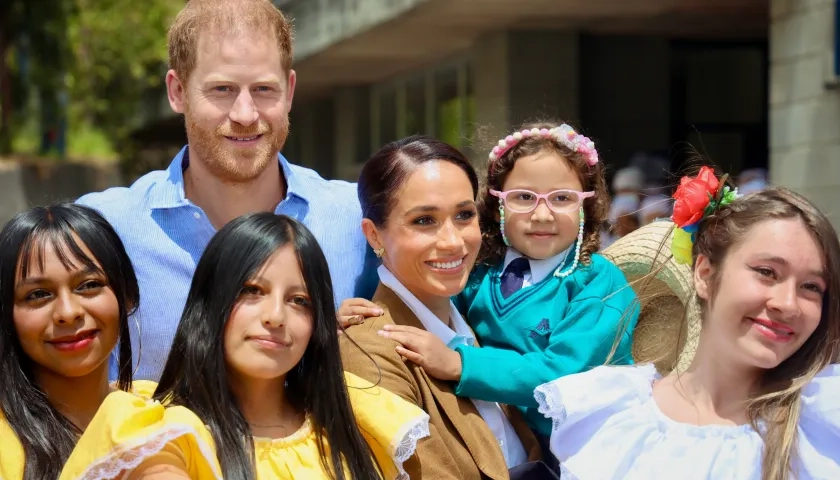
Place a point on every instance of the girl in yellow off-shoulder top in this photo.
(66, 289)
(253, 386)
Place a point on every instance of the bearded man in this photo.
(231, 77)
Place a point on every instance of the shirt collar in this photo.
(459, 333)
(294, 186)
(169, 193)
(540, 269)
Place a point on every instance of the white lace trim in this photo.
(411, 432)
(127, 456)
(550, 403)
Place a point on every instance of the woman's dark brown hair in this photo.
(388, 169)
(591, 177)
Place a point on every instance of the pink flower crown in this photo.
(564, 134)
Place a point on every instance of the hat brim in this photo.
(669, 318)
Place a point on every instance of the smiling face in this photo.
(542, 233)
(431, 235)
(271, 323)
(66, 317)
(766, 299)
(235, 103)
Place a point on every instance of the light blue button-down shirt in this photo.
(165, 235)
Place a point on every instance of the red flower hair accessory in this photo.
(695, 199)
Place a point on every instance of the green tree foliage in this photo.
(104, 56)
(119, 54)
(32, 50)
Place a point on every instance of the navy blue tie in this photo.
(514, 275)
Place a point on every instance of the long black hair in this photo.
(195, 374)
(47, 436)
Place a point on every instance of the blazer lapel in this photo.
(461, 412)
(472, 428)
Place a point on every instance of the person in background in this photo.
(752, 180)
(628, 180)
(627, 195)
(623, 218)
(654, 207)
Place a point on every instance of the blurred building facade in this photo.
(749, 83)
(804, 99)
(641, 76)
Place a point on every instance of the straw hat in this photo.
(666, 293)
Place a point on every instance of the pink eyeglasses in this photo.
(526, 201)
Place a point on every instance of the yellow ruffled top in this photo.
(11, 451)
(132, 430)
(11, 460)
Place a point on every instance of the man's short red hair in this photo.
(217, 16)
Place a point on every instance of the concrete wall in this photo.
(351, 113)
(517, 81)
(25, 186)
(614, 87)
(12, 193)
(320, 24)
(805, 102)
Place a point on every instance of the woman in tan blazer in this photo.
(418, 199)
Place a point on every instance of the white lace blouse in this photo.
(607, 426)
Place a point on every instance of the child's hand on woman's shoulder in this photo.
(426, 350)
(354, 311)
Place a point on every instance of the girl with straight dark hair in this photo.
(255, 371)
(67, 288)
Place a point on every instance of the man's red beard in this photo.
(229, 162)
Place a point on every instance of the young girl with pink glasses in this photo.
(541, 301)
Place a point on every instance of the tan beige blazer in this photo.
(461, 445)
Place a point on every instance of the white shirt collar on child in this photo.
(540, 269)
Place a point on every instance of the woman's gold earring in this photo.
(379, 252)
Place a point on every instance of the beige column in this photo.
(805, 102)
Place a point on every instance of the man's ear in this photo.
(290, 90)
(176, 92)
